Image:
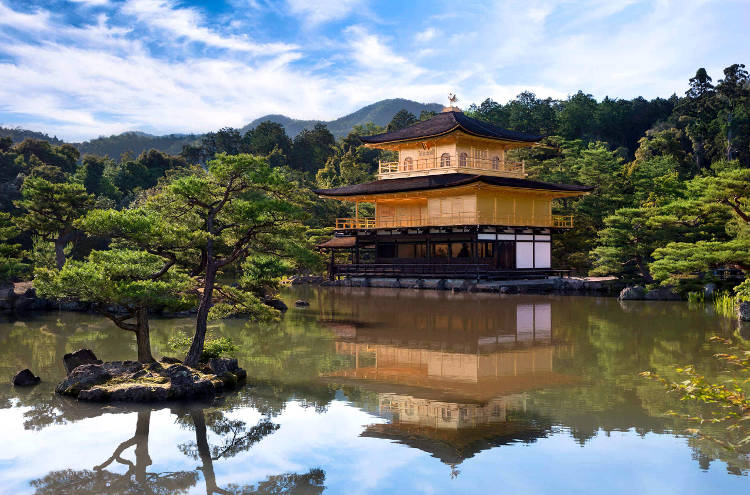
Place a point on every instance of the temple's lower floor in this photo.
(459, 252)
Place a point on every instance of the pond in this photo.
(383, 391)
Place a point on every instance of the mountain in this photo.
(380, 113)
(17, 135)
(135, 143)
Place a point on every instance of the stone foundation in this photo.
(606, 285)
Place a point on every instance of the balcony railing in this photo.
(355, 223)
(452, 163)
(562, 221)
(384, 222)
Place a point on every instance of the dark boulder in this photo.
(83, 377)
(186, 383)
(276, 304)
(662, 294)
(94, 394)
(72, 360)
(122, 368)
(139, 393)
(743, 311)
(223, 365)
(633, 293)
(25, 378)
(170, 360)
(301, 304)
(7, 298)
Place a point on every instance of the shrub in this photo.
(213, 348)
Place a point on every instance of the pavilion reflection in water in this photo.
(454, 394)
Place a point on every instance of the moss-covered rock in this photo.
(129, 381)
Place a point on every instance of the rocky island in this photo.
(90, 379)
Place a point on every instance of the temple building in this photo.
(452, 205)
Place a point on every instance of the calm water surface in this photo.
(383, 391)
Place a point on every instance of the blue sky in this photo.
(84, 68)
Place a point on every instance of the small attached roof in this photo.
(427, 182)
(339, 242)
(446, 122)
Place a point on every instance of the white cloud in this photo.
(322, 11)
(164, 15)
(93, 3)
(18, 20)
(426, 35)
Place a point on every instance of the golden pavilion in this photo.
(452, 205)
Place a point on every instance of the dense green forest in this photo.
(671, 178)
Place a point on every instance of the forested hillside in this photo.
(135, 143)
(17, 135)
(379, 113)
(671, 178)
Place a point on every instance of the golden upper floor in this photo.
(451, 142)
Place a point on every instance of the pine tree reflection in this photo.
(236, 437)
(136, 479)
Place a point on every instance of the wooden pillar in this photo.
(429, 248)
(356, 214)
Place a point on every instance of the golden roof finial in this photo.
(452, 99)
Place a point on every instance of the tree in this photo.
(426, 114)
(11, 261)
(226, 140)
(266, 137)
(343, 170)
(238, 208)
(491, 111)
(131, 176)
(63, 158)
(403, 118)
(52, 210)
(576, 119)
(728, 190)
(527, 113)
(132, 281)
(311, 149)
(626, 243)
(734, 94)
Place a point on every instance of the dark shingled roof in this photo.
(440, 181)
(339, 242)
(445, 122)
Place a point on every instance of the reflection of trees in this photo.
(136, 480)
(310, 483)
(610, 355)
(40, 342)
(235, 438)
